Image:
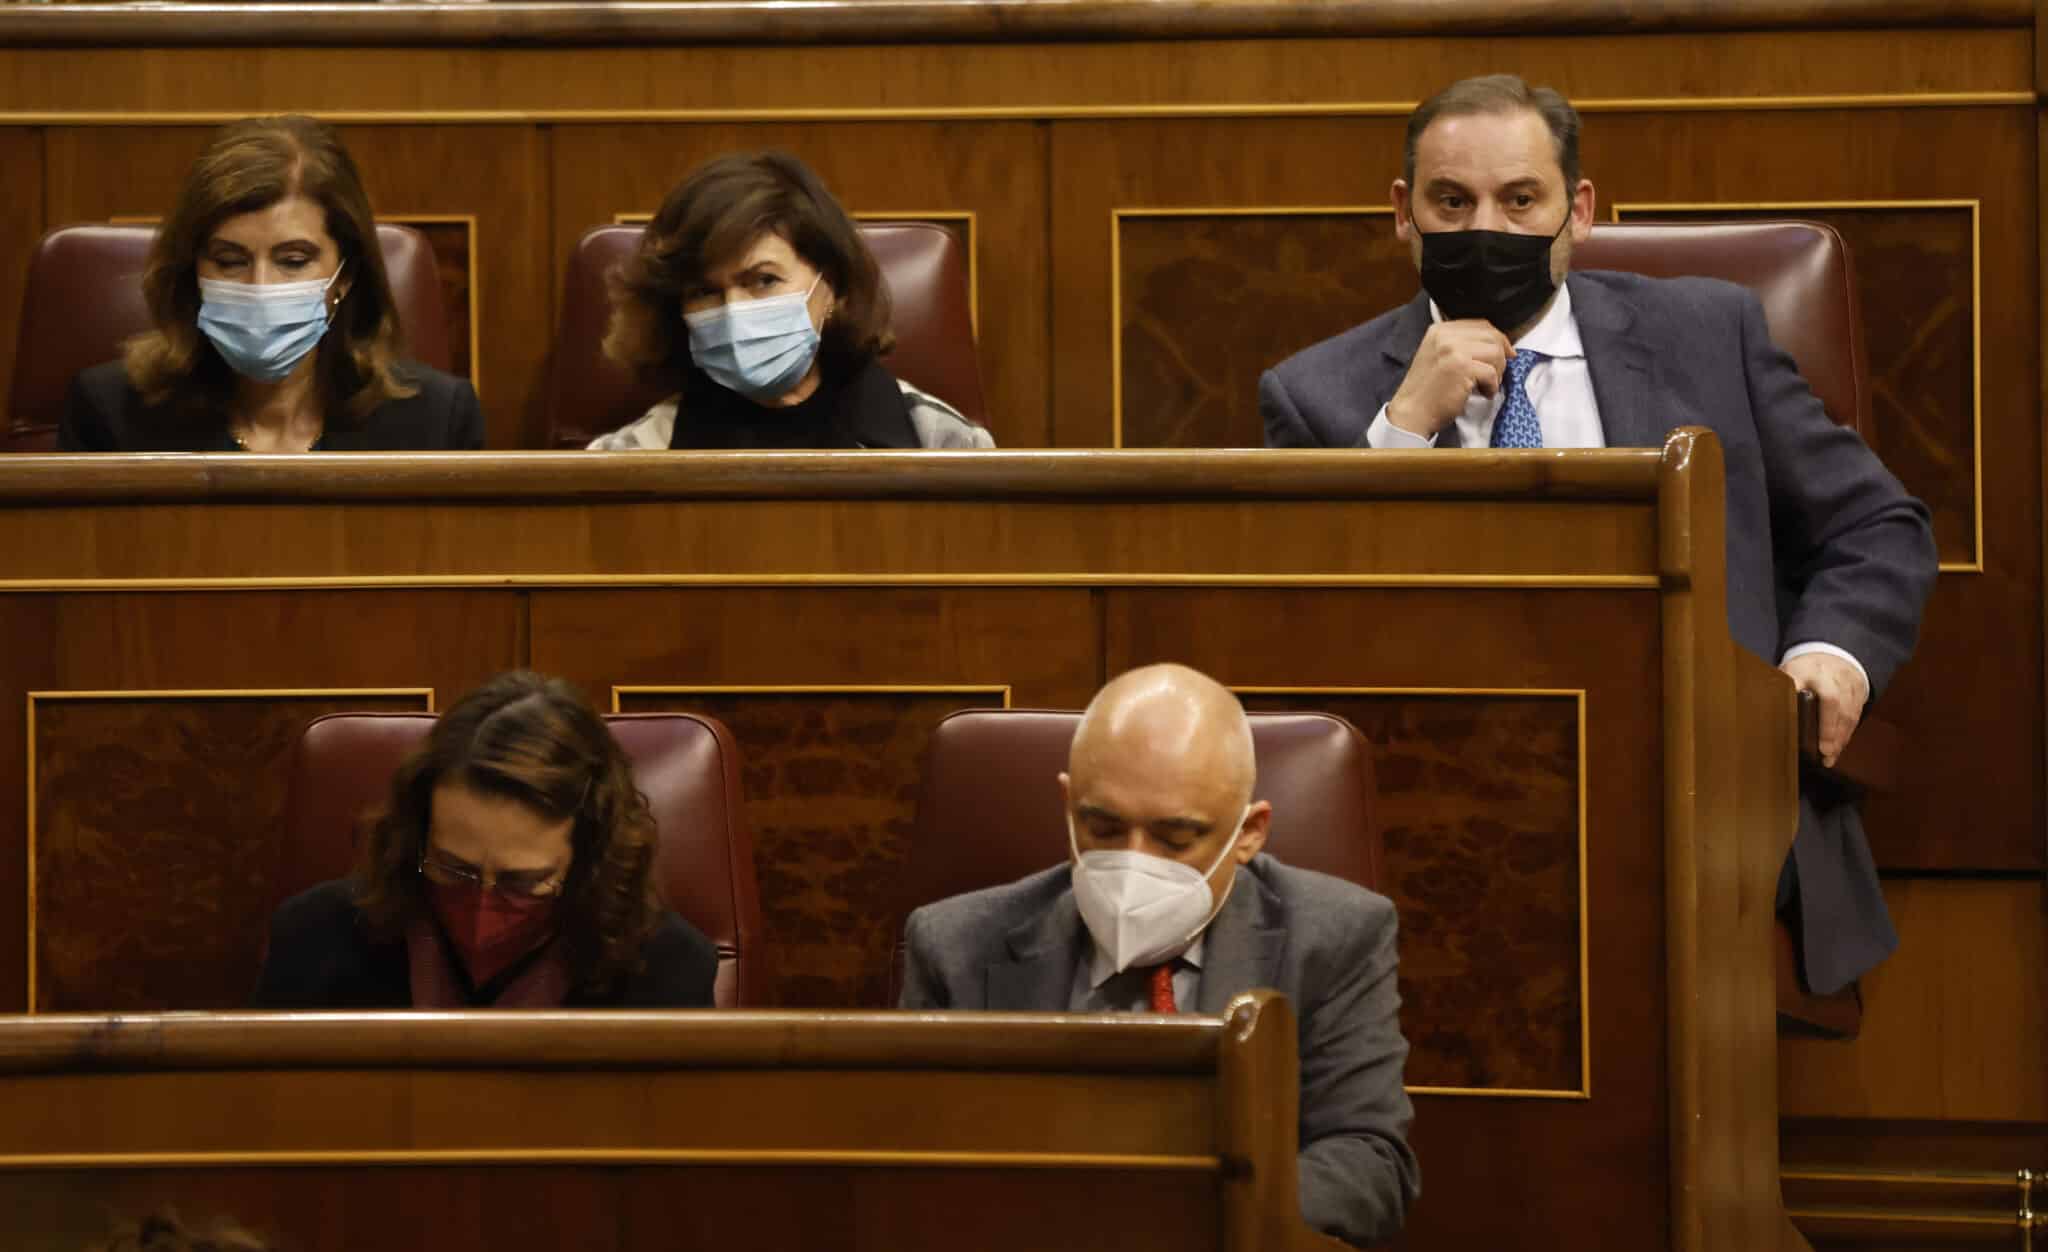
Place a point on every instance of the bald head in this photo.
(1162, 760)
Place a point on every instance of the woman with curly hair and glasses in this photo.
(274, 327)
(512, 867)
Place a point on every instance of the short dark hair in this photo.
(708, 221)
(1500, 93)
(533, 739)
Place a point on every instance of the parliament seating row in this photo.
(83, 299)
(1315, 767)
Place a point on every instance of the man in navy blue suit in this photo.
(1829, 560)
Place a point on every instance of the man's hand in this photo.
(1842, 693)
(1455, 360)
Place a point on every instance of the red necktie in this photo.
(1162, 989)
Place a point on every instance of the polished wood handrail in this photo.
(1617, 474)
(530, 22)
(1182, 1043)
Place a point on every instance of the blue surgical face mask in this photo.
(263, 330)
(759, 348)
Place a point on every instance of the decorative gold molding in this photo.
(929, 215)
(1578, 696)
(1116, 273)
(171, 693)
(620, 691)
(469, 221)
(1557, 582)
(1019, 113)
(618, 1157)
(1976, 207)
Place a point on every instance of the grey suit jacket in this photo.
(1328, 944)
(1824, 545)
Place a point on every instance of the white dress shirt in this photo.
(1131, 991)
(1561, 391)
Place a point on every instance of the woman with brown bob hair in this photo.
(512, 867)
(753, 286)
(273, 328)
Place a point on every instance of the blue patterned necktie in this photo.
(1517, 427)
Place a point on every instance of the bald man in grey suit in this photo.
(1161, 766)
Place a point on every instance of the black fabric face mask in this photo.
(1492, 274)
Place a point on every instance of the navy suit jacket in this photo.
(1824, 544)
(1326, 943)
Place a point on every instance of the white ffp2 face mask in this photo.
(1144, 909)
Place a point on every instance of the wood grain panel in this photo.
(1426, 639)
(21, 225)
(562, 83)
(830, 781)
(449, 641)
(1953, 1022)
(593, 1209)
(499, 175)
(994, 170)
(1479, 821)
(1206, 302)
(156, 842)
(1915, 271)
(830, 777)
(1100, 168)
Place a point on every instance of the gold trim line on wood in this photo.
(618, 1156)
(1913, 1217)
(620, 691)
(1116, 272)
(1558, 582)
(1577, 695)
(167, 693)
(1499, 1093)
(1976, 207)
(1986, 1180)
(1016, 112)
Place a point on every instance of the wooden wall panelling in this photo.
(21, 225)
(1979, 647)
(162, 810)
(181, 641)
(426, 175)
(1971, 957)
(1445, 773)
(498, 174)
(994, 170)
(1131, 73)
(830, 826)
(1203, 325)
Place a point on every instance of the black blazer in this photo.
(104, 413)
(319, 958)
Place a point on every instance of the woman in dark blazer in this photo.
(512, 868)
(274, 327)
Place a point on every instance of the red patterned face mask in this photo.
(489, 929)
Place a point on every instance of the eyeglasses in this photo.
(528, 884)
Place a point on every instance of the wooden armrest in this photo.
(1873, 758)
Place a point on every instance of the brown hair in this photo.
(708, 221)
(250, 165)
(1500, 93)
(533, 739)
(163, 1232)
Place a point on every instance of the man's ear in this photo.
(1584, 205)
(1257, 823)
(1404, 217)
(1066, 792)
